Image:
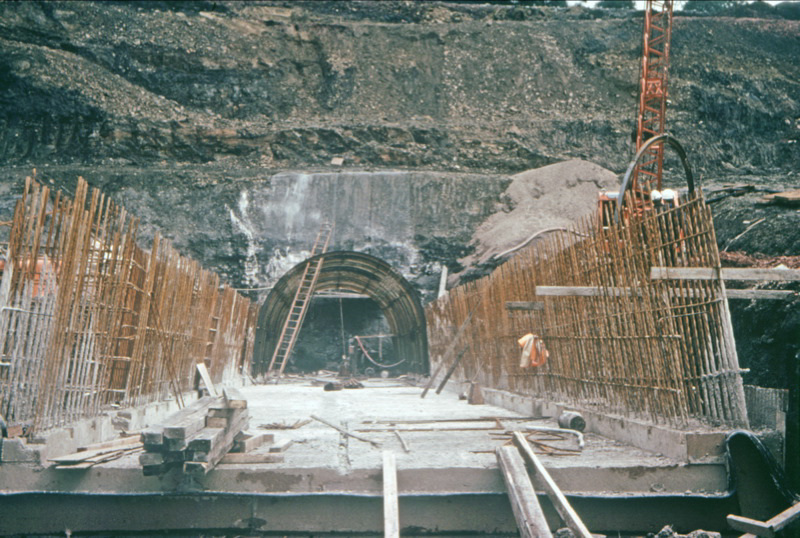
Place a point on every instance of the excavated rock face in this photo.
(495, 88)
(219, 123)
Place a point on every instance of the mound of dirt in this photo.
(741, 259)
(553, 196)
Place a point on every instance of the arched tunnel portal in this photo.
(357, 273)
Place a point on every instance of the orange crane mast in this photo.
(653, 95)
(651, 114)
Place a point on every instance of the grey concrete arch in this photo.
(353, 272)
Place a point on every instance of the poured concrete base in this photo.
(327, 478)
(699, 445)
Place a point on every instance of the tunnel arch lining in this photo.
(354, 272)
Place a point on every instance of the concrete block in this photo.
(691, 447)
(121, 423)
(705, 447)
(17, 451)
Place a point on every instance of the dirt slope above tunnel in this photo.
(437, 85)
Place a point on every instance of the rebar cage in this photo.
(621, 339)
(89, 319)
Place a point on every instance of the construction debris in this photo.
(524, 503)
(667, 532)
(572, 421)
(560, 503)
(91, 455)
(347, 433)
(196, 438)
(402, 441)
(790, 198)
(741, 259)
(284, 426)
(339, 385)
(765, 528)
(353, 384)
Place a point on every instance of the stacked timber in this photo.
(91, 455)
(195, 438)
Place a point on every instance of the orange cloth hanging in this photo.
(534, 353)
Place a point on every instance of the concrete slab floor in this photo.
(454, 457)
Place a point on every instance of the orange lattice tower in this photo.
(652, 97)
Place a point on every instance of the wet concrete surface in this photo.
(450, 445)
(447, 479)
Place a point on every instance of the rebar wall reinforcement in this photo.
(90, 319)
(658, 350)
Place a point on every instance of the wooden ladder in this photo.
(302, 298)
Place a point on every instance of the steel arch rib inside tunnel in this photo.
(357, 273)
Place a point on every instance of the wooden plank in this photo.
(153, 435)
(562, 506)
(234, 398)
(391, 511)
(347, 433)
(451, 348)
(765, 528)
(402, 441)
(96, 459)
(585, 291)
(155, 470)
(204, 462)
(283, 446)
(248, 441)
(175, 445)
(220, 412)
(85, 455)
(205, 440)
(212, 391)
(785, 518)
(791, 198)
(728, 273)
(450, 370)
(754, 273)
(149, 459)
(217, 422)
(527, 512)
(524, 305)
(153, 459)
(188, 420)
(774, 295)
(243, 458)
(114, 443)
(752, 526)
(14, 430)
(598, 291)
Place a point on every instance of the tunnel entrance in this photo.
(362, 309)
(346, 325)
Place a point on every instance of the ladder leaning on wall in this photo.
(300, 303)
